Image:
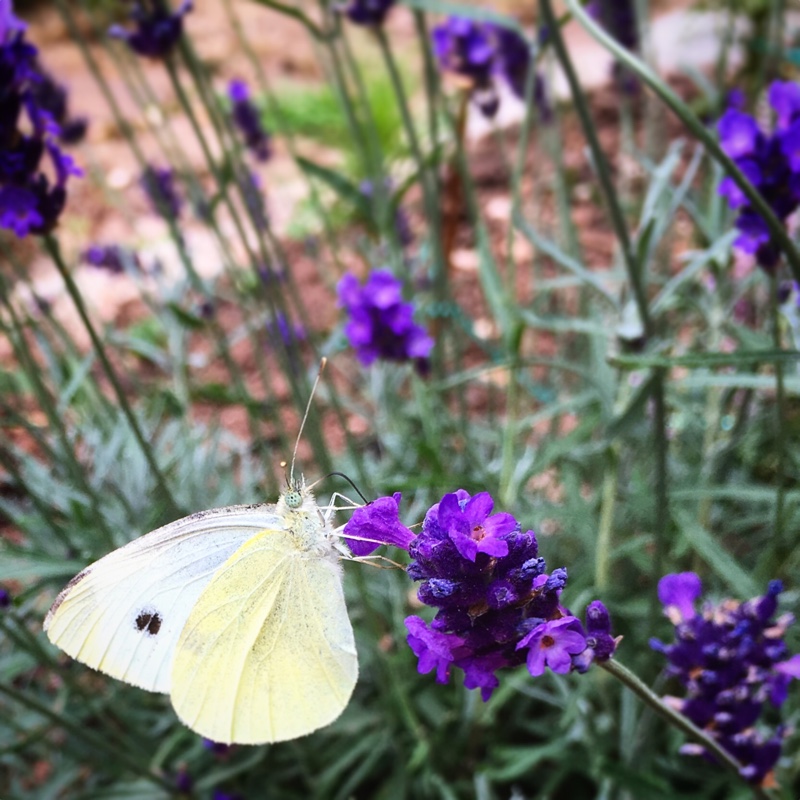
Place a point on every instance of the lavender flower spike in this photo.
(496, 606)
(381, 325)
(367, 12)
(31, 201)
(248, 120)
(730, 658)
(771, 162)
(157, 30)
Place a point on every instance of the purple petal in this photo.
(375, 524)
(680, 590)
(478, 507)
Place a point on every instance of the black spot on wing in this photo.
(148, 621)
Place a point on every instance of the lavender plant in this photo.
(533, 271)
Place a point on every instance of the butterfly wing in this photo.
(268, 652)
(123, 614)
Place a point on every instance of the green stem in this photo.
(601, 166)
(675, 718)
(662, 495)
(607, 507)
(52, 247)
(780, 428)
(428, 178)
(776, 227)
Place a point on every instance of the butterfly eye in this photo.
(293, 499)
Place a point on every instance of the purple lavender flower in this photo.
(157, 30)
(618, 17)
(51, 96)
(159, 186)
(771, 162)
(253, 195)
(731, 658)
(184, 782)
(282, 329)
(376, 524)
(217, 748)
(496, 605)
(112, 258)
(466, 48)
(5, 595)
(31, 199)
(479, 52)
(677, 593)
(381, 325)
(552, 644)
(248, 120)
(367, 12)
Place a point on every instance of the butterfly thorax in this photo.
(305, 522)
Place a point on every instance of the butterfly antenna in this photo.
(345, 477)
(322, 364)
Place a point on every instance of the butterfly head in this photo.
(294, 496)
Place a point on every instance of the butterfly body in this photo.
(237, 613)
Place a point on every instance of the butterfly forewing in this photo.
(123, 614)
(267, 653)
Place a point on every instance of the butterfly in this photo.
(237, 613)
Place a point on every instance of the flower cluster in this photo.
(157, 29)
(159, 186)
(382, 325)
(496, 604)
(248, 120)
(731, 658)
(771, 162)
(477, 52)
(30, 200)
(367, 12)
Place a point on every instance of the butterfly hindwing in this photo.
(123, 614)
(267, 653)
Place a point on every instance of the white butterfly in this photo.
(237, 613)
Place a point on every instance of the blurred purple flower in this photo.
(112, 258)
(479, 52)
(288, 332)
(52, 97)
(31, 200)
(618, 17)
(5, 595)
(771, 162)
(731, 658)
(381, 325)
(248, 120)
(253, 195)
(367, 12)
(159, 186)
(156, 29)
(217, 748)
